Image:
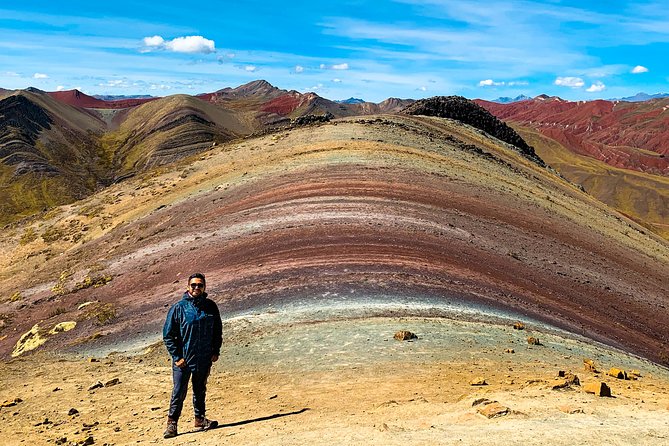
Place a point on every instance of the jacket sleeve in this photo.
(172, 335)
(217, 335)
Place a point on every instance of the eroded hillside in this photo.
(417, 214)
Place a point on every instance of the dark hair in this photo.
(197, 276)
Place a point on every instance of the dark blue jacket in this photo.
(193, 331)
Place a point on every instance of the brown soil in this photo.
(283, 382)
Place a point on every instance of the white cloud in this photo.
(422, 88)
(115, 83)
(639, 69)
(572, 82)
(160, 87)
(514, 83)
(336, 80)
(187, 44)
(250, 68)
(596, 87)
(341, 66)
(299, 68)
(11, 74)
(40, 76)
(489, 83)
(155, 41)
(60, 88)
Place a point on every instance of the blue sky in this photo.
(339, 49)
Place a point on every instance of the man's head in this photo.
(196, 284)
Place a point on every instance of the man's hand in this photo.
(180, 363)
(214, 358)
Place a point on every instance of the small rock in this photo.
(93, 360)
(509, 350)
(617, 373)
(10, 403)
(493, 410)
(87, 441)
(272, 397)
(519, 326)
(73, 411)
(570, 409)
(634, 374)
(61, 440)
(480, 401)
(589, 366)
(600, 389)
(56, 389)
(533, 341)
(405, 335)
(478, 381)
(112, 382)
(97, 385)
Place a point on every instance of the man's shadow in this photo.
(253, 420)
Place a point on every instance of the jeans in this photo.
(181, 377)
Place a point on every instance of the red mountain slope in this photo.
(79, 99)
(622, 134)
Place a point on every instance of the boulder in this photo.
(519, 326)
(97, 385)
(493, 410)
(405, 335)
(533, 341)
(478, 381)
(618, 373)
(598, 388)
(112, 382)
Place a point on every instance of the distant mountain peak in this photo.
(508, 100)
(351, 100)
(642, 97)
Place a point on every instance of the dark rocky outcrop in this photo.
(468, 112)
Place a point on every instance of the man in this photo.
(193, 337)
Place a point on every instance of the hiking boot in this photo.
(204, 424)
(171, 430)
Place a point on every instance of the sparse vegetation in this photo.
(59, 288)
(53, 234)
(91, 210)
(28, 236)
(95, 282)
(15, 297)
(104, 313)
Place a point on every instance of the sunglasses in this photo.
(197, 285)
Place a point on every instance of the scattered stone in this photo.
(519, 326)
(89, 426)
(533, 341)
(44, 423)
(478, 381)
(61, 440)
(509, 350)
(634, 374)
(10, 403)
(618, 373)
(112, 382)
(479, 401)
(405, 335)
(493, 410)
(97, 385)
(589, 366)
(599, 389)
(570, 409)
(272, 397)
(56, 389)
(93, 360)
(86, 441)
(73, 411)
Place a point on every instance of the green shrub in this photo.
(28, 236)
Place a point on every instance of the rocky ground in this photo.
(347, 381)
